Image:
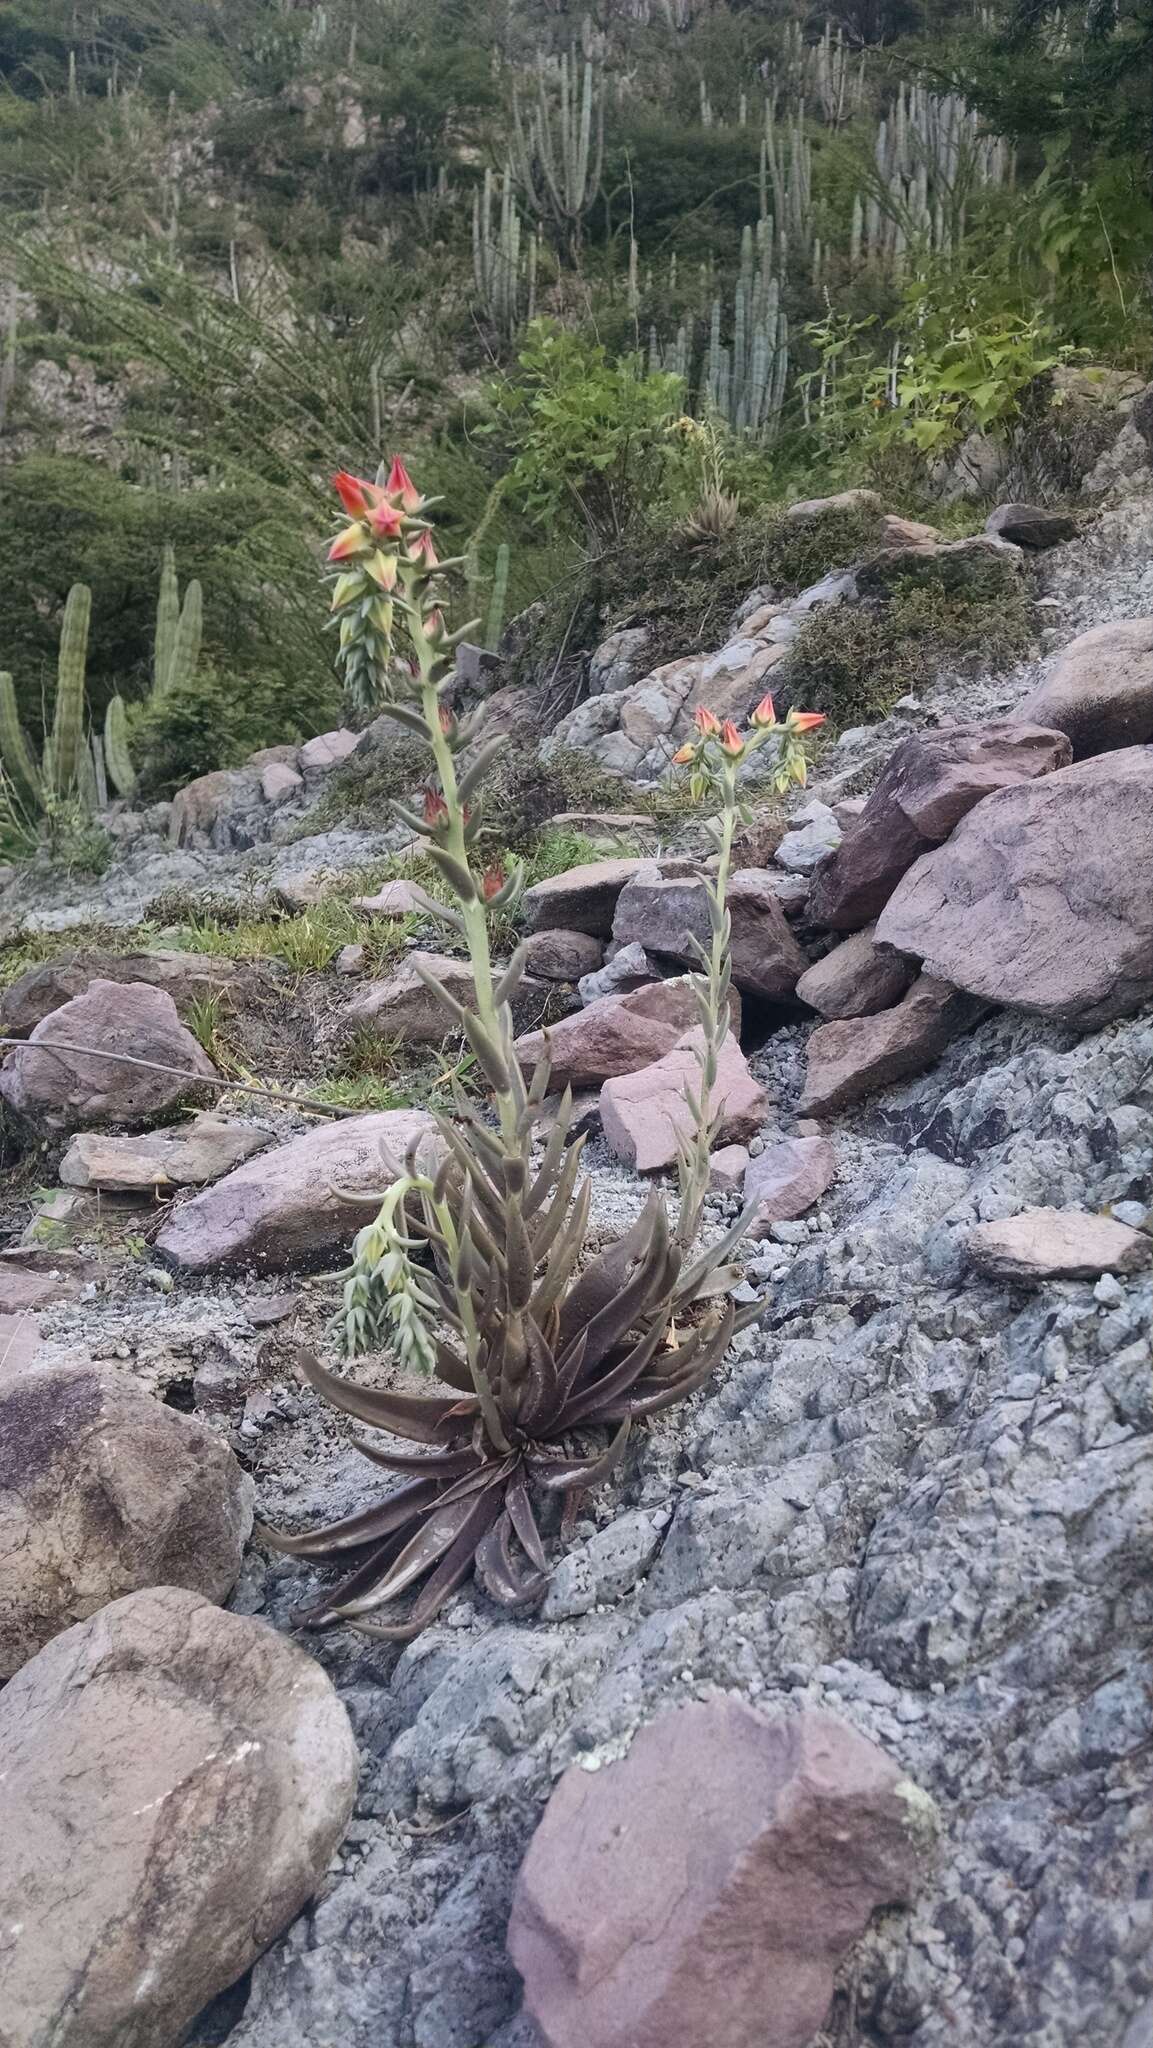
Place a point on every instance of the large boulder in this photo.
(852, 1058)
(1043, 897)
(705, 1888)
(646, 1116)
(175, 1782)
(188, 1155)
(670, 916)
(855, 979)
(926, 788)
(1099, 691)
(563, 956)
(288, 1208)
(67, 1089)
(34, 995)
(104, 1490)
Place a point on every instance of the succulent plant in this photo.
(46, 781)
(475, 1266)
(176, 651)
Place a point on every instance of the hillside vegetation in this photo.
(618, 282)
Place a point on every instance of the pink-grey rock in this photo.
(19, 1345)
(814, 831)
(855, 980)
(1058, 1244)
(1043, 897)
(67, 1089)
(326, 751)
(104, 1489)
(855, 1056)
(1100, 689)
(727, 1168)
(188, 1155)
(187, 977)
(557, 955)
(175, 1782)
(350, 960)
(893, 531)
(403, 1006)
(282, 1210)
(400, 898)
(645, 1115)
(616, 1035)
(34, 1276)
(278, 782)
(1031, 526)
(705, 1888)
(786, 1179)
(667, 914)
(926, 788)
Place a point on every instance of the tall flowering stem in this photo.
(716, 757)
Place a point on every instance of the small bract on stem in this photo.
(716, 757)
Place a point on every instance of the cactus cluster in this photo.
(745, 382)
(558, 148)
(176, 651)
(929, 156)
(503, 262)
(61, 770)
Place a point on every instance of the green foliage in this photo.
(222, 717)
(584, 434)
(53, 786)
(854, 661)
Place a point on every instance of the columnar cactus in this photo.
(56, 774)
(505, 280)
(175, 653)
(559, 151)
(745, 382)
(929, 156)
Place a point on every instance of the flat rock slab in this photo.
(705, 1888)
(854, 1057)
(1058, 1244)
(1043, 897)
(645, 1115)
(187, 977)
(104, 1490)
(1099, 691)
(283, 1210)
(786, 1179)
(400, 898)
(927, 786)
(19, 1345)
(69, 1089)
(188, 1155)
(584, 898)
(855, 979)
(176, 1780)
(814, 832)
(34, 1276)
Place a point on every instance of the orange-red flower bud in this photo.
(806, 721)
(764, 715)
(434, 810)
(492, 882)
(386, 520)
(352, 541)
(706, 722)
(352, 492)
(731, 742)
(400, 485)
(684, 755)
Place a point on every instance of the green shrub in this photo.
(853, 662)
(218, 720)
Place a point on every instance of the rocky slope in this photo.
(918, 1496)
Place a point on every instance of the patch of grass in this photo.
(853, 662)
